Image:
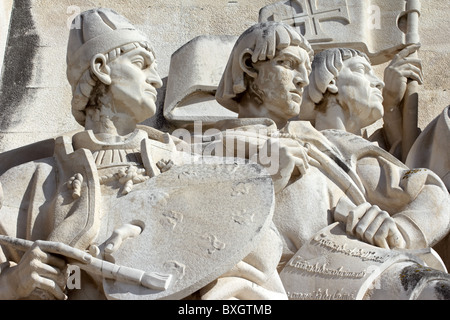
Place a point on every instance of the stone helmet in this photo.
(95, 31)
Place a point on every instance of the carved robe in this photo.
(345, 165)
(41, 203)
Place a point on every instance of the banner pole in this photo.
(410, 108)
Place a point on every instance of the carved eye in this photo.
(360, 69)
(288, 64)
(140, 63)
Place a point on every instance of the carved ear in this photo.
(100, 69)
(332, 87)
(245, 61)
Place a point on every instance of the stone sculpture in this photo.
(123, 203)
(353, 114)
(332, 69)
(195, 72)
(387, 32)
(381, 201)
(339, 23)
(266, 207)
(379, 28)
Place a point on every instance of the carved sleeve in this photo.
(417, 199)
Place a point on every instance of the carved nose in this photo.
(154, 79)
(301, 79)
(377, 83)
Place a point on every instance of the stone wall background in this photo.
(35, 95)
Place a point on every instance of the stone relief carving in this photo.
(344, 23)
(335, 170)
(191, 86)
(338, 69)
(116, 193)
(269, 206)
(361, 26)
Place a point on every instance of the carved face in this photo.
(281, 81)
(134, 81)
(360, 90)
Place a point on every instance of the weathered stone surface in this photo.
(171, 25)
(132, 206)
(195, 72)
(329, 175)
(94, 189)
(196, 225)
(43, 33)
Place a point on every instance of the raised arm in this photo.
(396, 75)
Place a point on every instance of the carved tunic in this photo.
(64, 198)
(347, 165)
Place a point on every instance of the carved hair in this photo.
(325, 67)
(263, 40)
(87, 90)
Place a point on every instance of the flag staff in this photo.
(410, 108)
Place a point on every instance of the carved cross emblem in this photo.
(308, 18)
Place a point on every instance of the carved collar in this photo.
(126, 152)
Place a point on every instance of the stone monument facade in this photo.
(228, 150)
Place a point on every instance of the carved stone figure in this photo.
(123, 202)
(338, 72)
(360, 25)
(327, 176)
(268, 208)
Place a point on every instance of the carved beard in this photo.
(99, 118)
(99, 112)
(98, 91)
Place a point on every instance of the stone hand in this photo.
(375, 226)
(38, 275)
(119, 235)
(396, 75)
(287, 158)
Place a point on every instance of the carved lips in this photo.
(151, 92)
(297, 96)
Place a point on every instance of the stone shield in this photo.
(198, 220)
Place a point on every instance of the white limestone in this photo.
(244, 199)
(332, 170)
(158, 222)
(195, 72)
